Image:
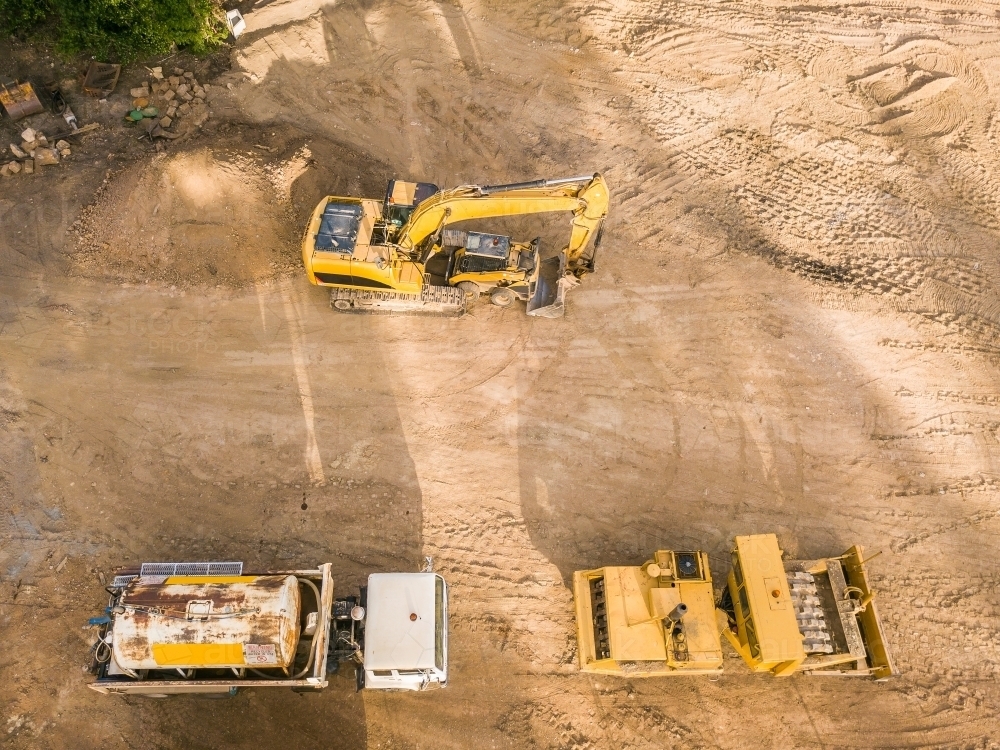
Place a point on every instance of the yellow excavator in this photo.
(781, 616)
(399, 254)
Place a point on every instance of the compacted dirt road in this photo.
(794, 327)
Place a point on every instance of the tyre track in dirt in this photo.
(792, 329)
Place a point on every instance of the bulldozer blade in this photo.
(546, 292)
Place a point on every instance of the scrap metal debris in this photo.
(101, 78)
(19, 100)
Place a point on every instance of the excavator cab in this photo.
(401, 198)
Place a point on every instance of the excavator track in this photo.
(433, 301)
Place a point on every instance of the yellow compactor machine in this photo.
(781, 616)
(399, 254)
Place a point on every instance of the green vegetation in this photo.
(118, 30)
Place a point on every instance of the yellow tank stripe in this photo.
(193, 580)
(198, 654)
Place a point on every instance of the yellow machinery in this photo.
(656, 619)
(814, 616)
(399, 255)
(783, 617)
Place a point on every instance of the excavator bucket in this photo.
(546, 290)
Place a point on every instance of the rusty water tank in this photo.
(198, 622)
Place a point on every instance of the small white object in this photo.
(28, 135)
(310, 628)
(236, 23)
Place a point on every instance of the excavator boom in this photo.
(585, 197)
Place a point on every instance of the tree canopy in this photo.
(118, 30)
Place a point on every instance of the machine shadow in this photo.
(362, 513)
(596, 486)
(659, 447)
(191, 426)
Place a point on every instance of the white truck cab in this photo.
(406, 632)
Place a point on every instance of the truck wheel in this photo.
(471, 289)
(502, 297)
(342, 304)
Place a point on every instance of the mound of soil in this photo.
(201, 217)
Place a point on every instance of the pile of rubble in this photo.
(33, 153)
(160, 102)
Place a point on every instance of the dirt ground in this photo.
(794, 327)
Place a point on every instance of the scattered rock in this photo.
(200, 94)
(141, 91)
(183, 89)
(169, 95)
(45, 157)
(15, 166)
(186, 96)
(188, 74)
(64, 152)
(157, 73)
(61, 144)
(174, 81)
(28, 146)
(166, 122)
(184, 109)
(17, 152)
(29, 167)
(28, 135)
(5, 170)
(171, 111)
(178, 71)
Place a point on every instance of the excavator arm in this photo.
(585, 197)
